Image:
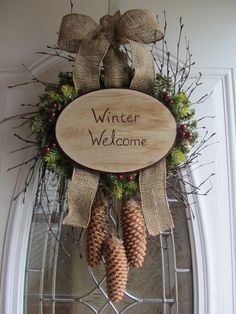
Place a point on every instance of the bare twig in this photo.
(22, 84)
(21, 124)
(206, 117)
(23, 163)
(31, 105)
(51, 230)
(19, 149)
(28, 178)
(34, 79)
(56, 53)
(178, 50)
(202, 99)
(24, 140)
(19, 116)
(196, 83)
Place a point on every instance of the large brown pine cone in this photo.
(96, 233)
(134, 232)
(116, 268)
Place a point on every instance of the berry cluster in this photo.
(121, 176)
(54, 111)
(167, 100)
(183, 132)
(47, 148)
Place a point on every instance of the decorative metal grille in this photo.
(57, 283)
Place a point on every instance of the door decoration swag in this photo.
(115, 130)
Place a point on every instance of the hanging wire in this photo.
(113, 6)
(71, 6)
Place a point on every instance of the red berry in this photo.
(183, 127)
(53, 145)
(188, 136)
(165, 95)
(130, 178)
(170, 101)
(54, 106)
(182, 135)
(52, 114)
(45, 149)
(120, 176)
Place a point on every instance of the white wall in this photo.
(28, 26)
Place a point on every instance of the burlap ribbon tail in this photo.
(96, 44)
(82, 190)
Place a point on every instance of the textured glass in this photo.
(58, 280)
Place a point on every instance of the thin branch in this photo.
(18, 116)
(57, 49)
(56, 54)
(31, 105)
(128, 52)
(206, 117)
(163, 43)
(23, 163)
(186, 67)
(28, 179)
(24, 140)
(51, 230)
(201, 166)
(168, 63)
(80, 242)
(202, 99)
(22, 148)
(178, 51)
(22, 124)
(34, 79)
(22, 84)
(196, 83)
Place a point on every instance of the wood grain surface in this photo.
(116, 130)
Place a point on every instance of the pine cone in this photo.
(116, 268)
(96, 233)
(134, 232)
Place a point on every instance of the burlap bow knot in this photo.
(96, 44)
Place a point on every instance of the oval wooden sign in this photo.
(116, 130)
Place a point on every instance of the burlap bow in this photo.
(96, 44)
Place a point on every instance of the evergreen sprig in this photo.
(52, 102)
(181, 108)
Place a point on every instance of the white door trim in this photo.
(16, 246)
(214, 238)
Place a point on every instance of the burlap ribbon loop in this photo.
(100, 43)
(74, 29)
(138, 25)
